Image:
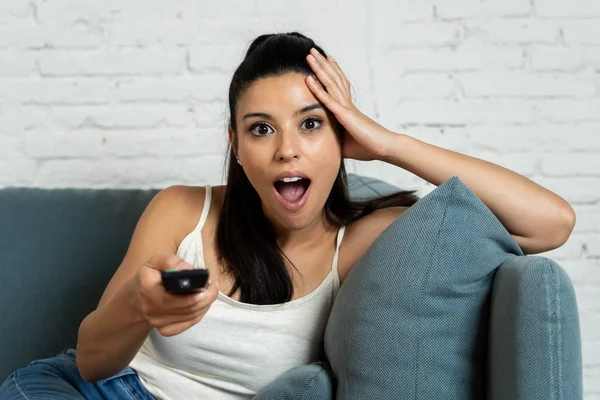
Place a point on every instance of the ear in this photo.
(232, 139)
(230, 134)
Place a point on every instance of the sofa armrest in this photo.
(534, 342)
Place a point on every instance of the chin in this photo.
(294, 223)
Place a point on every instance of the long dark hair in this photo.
(246, 241)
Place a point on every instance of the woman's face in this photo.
(283, 128)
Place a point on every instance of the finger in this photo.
(150, 277)
(344, 78)
(166, 319)
(164, 262)
(327, 86)
(332, 85)
(328, 77)
(328, 67)
(182, 304)
(197, 305)
(323, 96)
(178, 327)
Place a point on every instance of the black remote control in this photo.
(184, 281)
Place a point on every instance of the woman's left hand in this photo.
(362, 138)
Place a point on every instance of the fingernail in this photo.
(201, 296)
(311, 57)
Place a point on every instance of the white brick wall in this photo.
(132, 93)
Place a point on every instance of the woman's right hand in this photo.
(169, 313)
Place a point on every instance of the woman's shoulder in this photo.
(185, 203)
(360, 234)
(188, 196)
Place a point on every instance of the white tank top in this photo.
(237, 348)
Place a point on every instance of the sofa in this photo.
(60, 247)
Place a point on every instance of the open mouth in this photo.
(293, 193)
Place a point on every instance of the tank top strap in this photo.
(334, 266)
(198, 228)
(205, 209)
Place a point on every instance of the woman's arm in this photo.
(110, 336)
(538, 219)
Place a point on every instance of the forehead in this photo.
(276, 93)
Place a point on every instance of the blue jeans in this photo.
(58, 378)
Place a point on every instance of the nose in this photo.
(287, 146)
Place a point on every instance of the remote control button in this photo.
(185, 283)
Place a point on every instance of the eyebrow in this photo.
(269, 116)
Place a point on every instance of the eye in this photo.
(309, 123)
(261, 126)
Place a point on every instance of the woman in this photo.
(278, 240)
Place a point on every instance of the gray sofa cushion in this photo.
(410, 321)
(364, 187)
(534, 337)
(58, 250)
(306, 382)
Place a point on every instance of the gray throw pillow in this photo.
(306, 382)
(410, 320)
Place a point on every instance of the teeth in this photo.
(292, 179)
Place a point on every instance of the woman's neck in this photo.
(316, 233)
